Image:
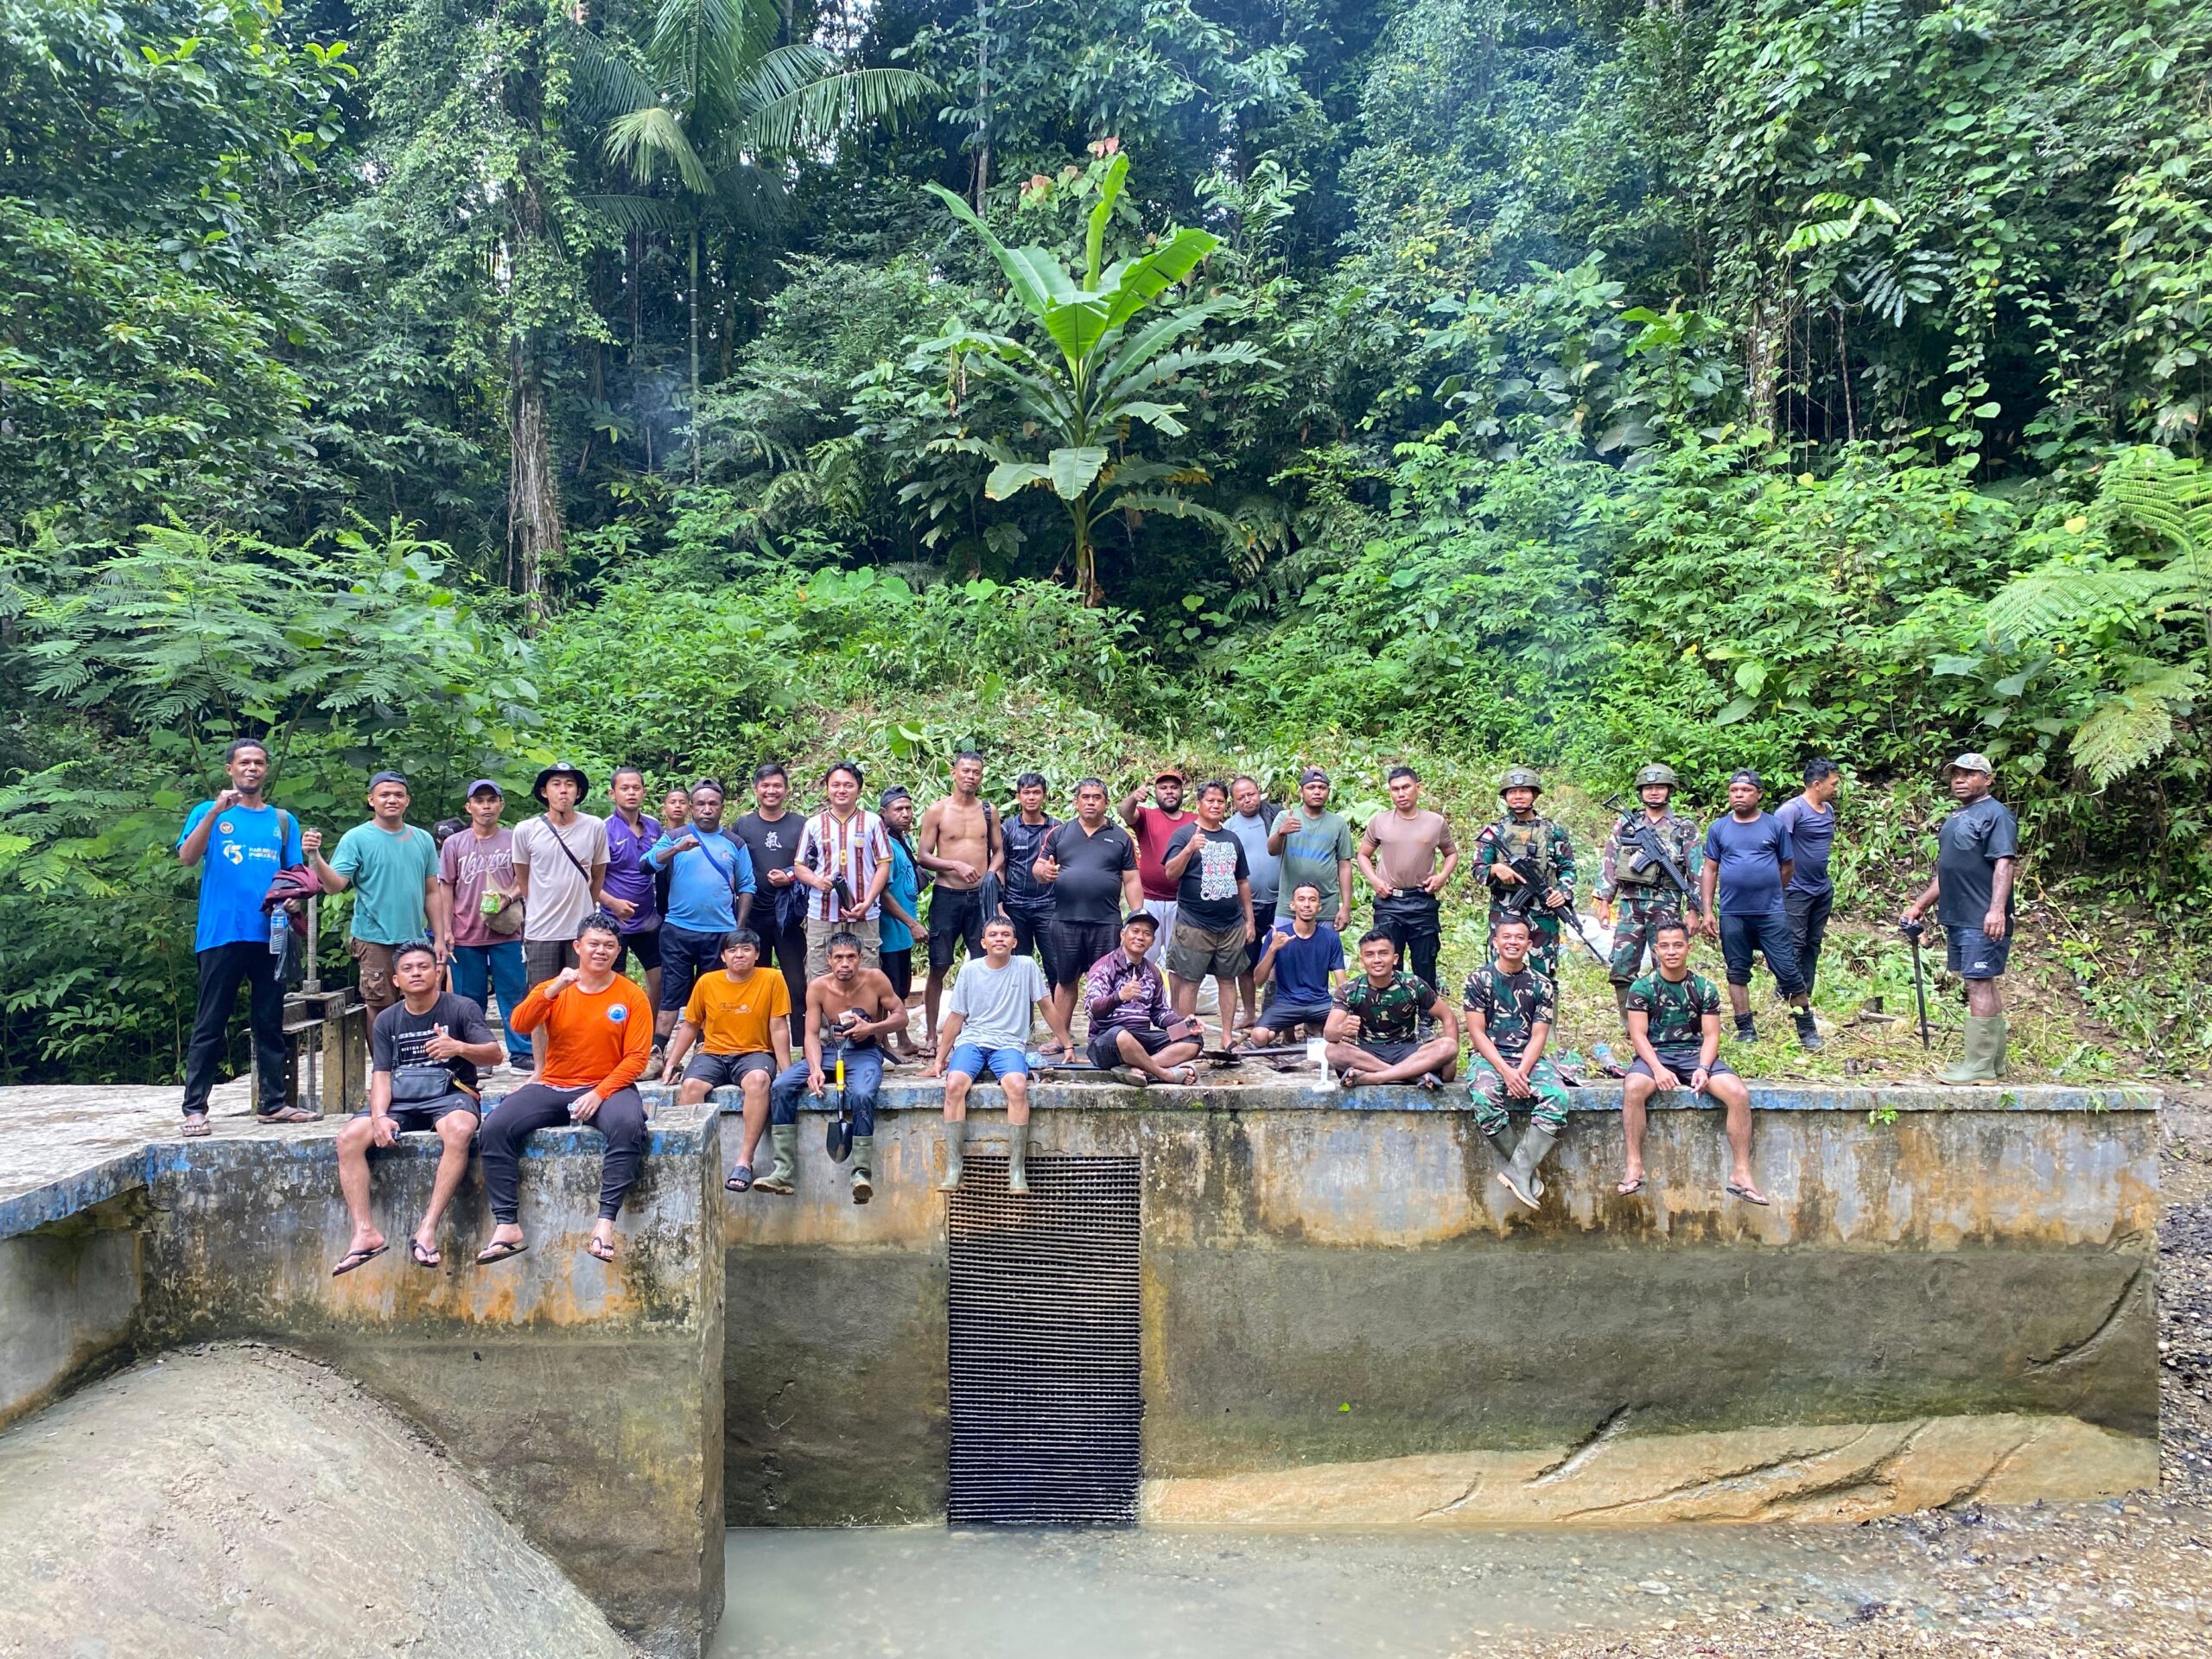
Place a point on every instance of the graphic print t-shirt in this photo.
(1207, 895)
(398, 1044)
(245, 851)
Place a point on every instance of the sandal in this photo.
(286, 1115)
(740, 1179)
(1630, 1189)
(1748, 1194)
(423, 1258)
(353, 1259)
(601, 1248)
(495, 1253)
(196, 1125)
(1430, 1080)
(1187, 1075)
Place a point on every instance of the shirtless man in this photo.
(959, 840)
(850, 1011)
(1399, 854)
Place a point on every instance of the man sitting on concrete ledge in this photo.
(598, 1035)
(741, 1018)
(1511, 1009)
(1299, 963)
(1133, 1024)
(1674, 1020)
(987, 1027)
(1374, 1032)
(424, 1053)
(849, 1011)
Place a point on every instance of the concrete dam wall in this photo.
(1246, 1304)
(1345, 1319)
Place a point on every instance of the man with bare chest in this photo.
(959, 840)
(849, 1011)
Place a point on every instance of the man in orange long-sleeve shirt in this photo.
(598, 1033)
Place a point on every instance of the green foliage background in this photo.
(1581, 381)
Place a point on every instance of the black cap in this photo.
(896, 792)
(1745, 775)
(388, 778)
(1141, 918)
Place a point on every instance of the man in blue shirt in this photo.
(1748, 856)
(1977, 851)
(1301, 963)
(1810, 820)
(710, 890)
(243, 842)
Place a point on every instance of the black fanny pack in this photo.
(413, 1084)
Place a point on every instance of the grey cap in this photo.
(1971, 761)
(1312, 775)
(1745, 775)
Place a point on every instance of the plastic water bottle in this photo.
(1317, 1056)
(279, 926)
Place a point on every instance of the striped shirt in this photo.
(852, 848)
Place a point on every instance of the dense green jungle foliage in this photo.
(453, 384)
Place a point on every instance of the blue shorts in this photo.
(976, 1061)
(1972, 954)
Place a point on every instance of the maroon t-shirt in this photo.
(1155, 829)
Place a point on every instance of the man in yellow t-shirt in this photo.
(741, 1019)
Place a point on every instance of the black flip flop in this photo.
(493, 1254)
(353, 1259)
(1748, 1194)
(423, 1258)
(1629, 1189)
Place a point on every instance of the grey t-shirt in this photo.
(996, 1005)
(1266, 868)
(1812, 836)
(1967, 848)
(1311, 853)
(560, 894)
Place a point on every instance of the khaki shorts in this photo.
(1197, 951)
(869, 932)
(374, 963)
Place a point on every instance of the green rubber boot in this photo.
(1501, 1139)
(956, 1136)
(1985, 1056)
(1519, 1176)
(784, 1178)
(863, 1168)
(1017, 1158)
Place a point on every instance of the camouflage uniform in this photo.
(1538, 838)
(1512, 1007)
(1641, 893)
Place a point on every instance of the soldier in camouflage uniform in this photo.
(1511, 1009)
(1522, 833)
(1633, 892)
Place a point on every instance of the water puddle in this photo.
(921, 1593)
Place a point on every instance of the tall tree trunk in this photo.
(695, 352)
(533, 491)
(1763, 335)
(983, 100)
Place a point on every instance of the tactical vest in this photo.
(1635, 867)
(1531, 840)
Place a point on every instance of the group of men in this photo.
(776, 953)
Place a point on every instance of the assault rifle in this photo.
(1530, 895)
(1645, 838)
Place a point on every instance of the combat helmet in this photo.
(1655, 774)
(1519, 778)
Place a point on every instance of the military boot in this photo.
(1519, 1176)
(1985, 1055)
(1017, 1157)
(956, 1136)
(1808, 1031)
(863, 1168)
(784, 1178)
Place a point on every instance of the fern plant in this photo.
(2132, 600)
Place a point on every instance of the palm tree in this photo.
(717, 104)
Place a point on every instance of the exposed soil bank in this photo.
(240, 1501)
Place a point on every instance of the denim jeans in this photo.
(499, 966)
(863, 1077)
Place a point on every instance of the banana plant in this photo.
(1107, 369)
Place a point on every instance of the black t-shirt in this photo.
(1089, 891)
(1024, 891)
(397, 1039)
(1206, 896)
(773, 846)
(1967, 848)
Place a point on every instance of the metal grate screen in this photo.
(1044, 1324)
